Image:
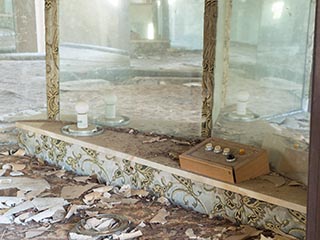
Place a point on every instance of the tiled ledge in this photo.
(122, 158)
(293, 198)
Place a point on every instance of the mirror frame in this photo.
(313, 207)
(52, 58)
(52, 62)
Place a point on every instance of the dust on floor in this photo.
(39, 201)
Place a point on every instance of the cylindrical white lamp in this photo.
(111, 101)
(242, 101)
(82, 109)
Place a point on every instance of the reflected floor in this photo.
(143, 98)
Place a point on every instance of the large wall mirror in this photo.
(267, 88)
(270, 55)
(144, 56)
(145, 59)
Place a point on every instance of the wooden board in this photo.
(249, 165)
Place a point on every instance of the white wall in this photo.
(96, 22)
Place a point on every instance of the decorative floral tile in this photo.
(180, 190)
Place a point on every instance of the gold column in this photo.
(209, 53)
(52, 58)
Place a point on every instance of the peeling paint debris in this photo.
(139, 192)
(190, 234)
(262, 237)
(11, 201)
(12, 169)
(28, 185)
(75, 191)
(74, 209)
(180, 142)
(160, 217)
(36, 232)
(103, 189)
(155, 139)
(51, 215)
(14, 166)
(90, 198)
(99, 225)
(278, 181)
(82, 179)
(129, 201)
(19, 208)
(76, 236)
(126, 236)
(46, 208)
(164, 201)
(6, 219)
(47, 204)
(19, 152)
(124, 191)
(16, 173)
(58, 173)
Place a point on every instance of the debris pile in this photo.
(43, 201)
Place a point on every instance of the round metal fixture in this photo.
(73, 130)
(113, 122)
(248, 117)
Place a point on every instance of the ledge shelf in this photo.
(121, 158)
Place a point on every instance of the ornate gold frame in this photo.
(209, 54)
(52, 61)
(52, 58)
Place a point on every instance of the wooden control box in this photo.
(251, 163)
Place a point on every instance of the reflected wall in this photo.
(269, 41)
(22, 64)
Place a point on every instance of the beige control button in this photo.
(209, 147)
(217, 149)
(226, 151)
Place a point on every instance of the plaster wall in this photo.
(186, 24)
(246, 13)
(95, 22)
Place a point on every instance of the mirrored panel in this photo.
(136, 63)
(268, 52)
(266, 100)
(22, 60)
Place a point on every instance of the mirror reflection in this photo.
(22, 61)
(266, 100)
(136, 62)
